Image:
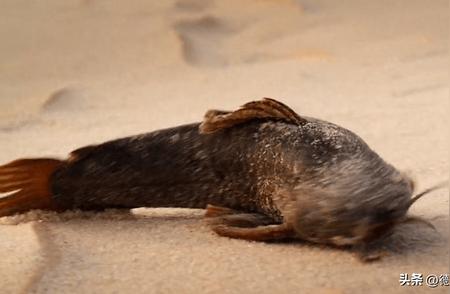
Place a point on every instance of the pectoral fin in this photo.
(249, 226)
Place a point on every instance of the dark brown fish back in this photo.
(179, 167)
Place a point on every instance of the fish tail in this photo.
(27, 183)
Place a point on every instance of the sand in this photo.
(74, 73)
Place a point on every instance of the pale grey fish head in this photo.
(352, 202)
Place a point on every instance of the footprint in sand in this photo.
(213, 37)
(191, 5)
(202, 40)
(65, 100)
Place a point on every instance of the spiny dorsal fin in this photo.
(215, 120)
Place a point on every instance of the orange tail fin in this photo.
(28, 183)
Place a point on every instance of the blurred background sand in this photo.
(79, 72)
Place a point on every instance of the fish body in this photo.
(263, 172)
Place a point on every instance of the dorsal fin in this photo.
(215, 120)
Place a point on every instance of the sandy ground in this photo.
(74, 73)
